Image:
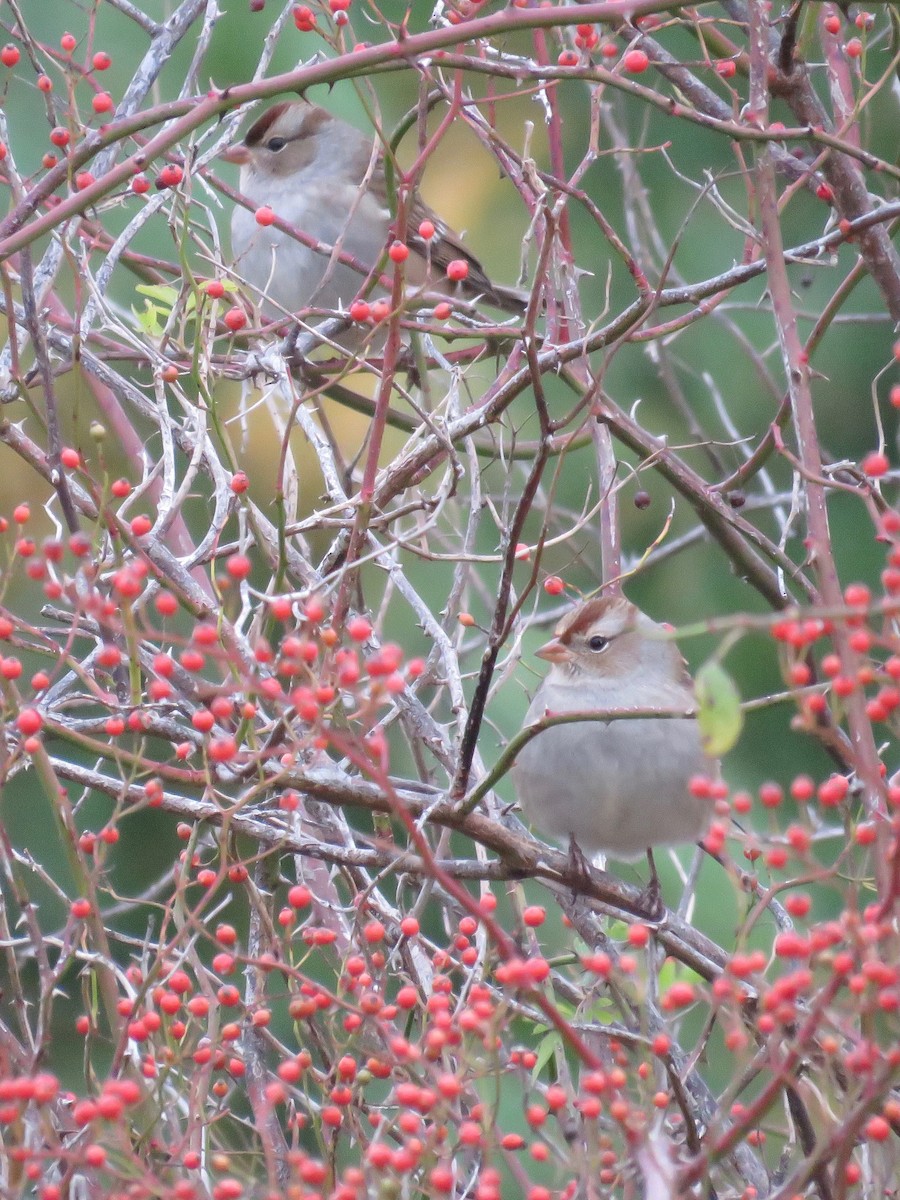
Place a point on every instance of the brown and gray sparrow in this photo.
(621, 786)
(320, 175)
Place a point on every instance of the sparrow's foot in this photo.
(296, 355)
(409, 363)
(650, 899)
(579, 869)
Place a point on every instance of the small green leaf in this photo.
(719, 713)
(547, 1047)
(148, 320)
(158, 291)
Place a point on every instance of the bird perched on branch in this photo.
(321, 176)
(618, 786)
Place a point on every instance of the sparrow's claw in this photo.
(650, 899)
(579, 868)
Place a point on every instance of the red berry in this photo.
(679, 995)
(222, 749)
(457, 270)
(398, 252)
(803, 788)
(441, 1179)
(798, 904)
(9, 55)
(792, 945)
(101, 61)
(235, 319)
(857, 594)
(875, 464)
(170, 176)
(833, 791)
(238, 566)
(359, 629)
(878, 1129)
(315, 610)
(770, 795)
(102, 102)
(638, 935)
(726, 68)
(635, 61)
(265, 215)
(29, 721)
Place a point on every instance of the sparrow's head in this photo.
(610, 638)
(284, 140)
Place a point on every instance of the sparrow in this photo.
(618, 787)
(322, 176)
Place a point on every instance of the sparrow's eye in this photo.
(275, 144)
(598, 643)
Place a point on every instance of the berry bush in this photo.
(270, 926)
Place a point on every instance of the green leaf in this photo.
(547, 1047)
(719, 713)
(162, 292)
(148, 320)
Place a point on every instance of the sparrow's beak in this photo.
(237, 154)
(554, 652)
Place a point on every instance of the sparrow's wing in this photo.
(444, 248)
